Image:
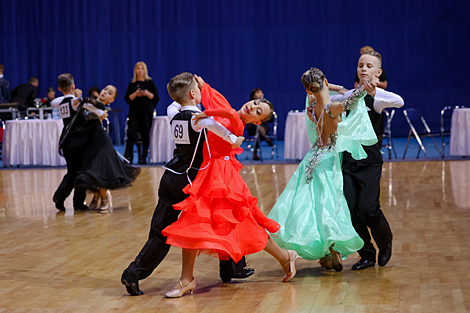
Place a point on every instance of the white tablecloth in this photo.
(296, 142)
(460, 132)
(32, 142)
(161, 140)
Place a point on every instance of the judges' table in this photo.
(296, 142)
(161, 140)
(32, 142)
(460, 132)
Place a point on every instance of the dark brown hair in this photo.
(313, 80)
(65, 82)
(271, 108)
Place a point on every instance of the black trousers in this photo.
(155, 249)
(74, 159)
(362, 192)
(138, 125)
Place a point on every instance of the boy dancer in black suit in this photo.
(362, 177)
(187, 158)
(73, 146)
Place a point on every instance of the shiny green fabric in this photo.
(314, 216)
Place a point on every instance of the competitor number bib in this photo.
(180, 132)
(64, 110)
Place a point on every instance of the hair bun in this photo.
(313, 80)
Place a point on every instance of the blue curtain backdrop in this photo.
(239, 45)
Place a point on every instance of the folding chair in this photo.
(388, 133)
(414, 117)
(446, 118)
(251, 141)
(273, 137)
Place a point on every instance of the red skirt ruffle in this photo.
(220, 216)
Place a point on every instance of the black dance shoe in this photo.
(59, 205)
(131, 283)
(80, 207)
(363, 264)
(244, 273)
(385, 255)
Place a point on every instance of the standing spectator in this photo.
(142, 97)
(25, 94)
(49, 97)
(4, 87)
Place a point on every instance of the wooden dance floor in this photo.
(52, 261)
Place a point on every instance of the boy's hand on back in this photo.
(199, 80)
(311, 99)
(238, 143)
(310, 113)
(198, 116)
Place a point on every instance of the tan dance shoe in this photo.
(293, 256)
(177, 293)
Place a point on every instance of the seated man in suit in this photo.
(25, 94)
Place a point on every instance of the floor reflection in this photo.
(460, 177)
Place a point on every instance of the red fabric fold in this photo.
(220, 217)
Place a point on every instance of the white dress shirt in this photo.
(383, 99)
(56, 102)
(208, 122)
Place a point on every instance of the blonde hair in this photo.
(146, 72)
(377, 55)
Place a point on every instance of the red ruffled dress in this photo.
(220, 216)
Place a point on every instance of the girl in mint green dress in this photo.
(312, 211)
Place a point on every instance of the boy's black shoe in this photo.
(131, 283)
(244, 273)
(385, 255)
(363, 264)
(59, 205)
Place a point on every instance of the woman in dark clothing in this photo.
(142, 97)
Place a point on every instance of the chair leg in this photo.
(437, 147)
(422, 146)
(260, 152)
(393, 148)
(443, 145)
(407, 142)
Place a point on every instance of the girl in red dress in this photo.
(220, 217)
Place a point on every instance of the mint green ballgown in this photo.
(312, 210)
